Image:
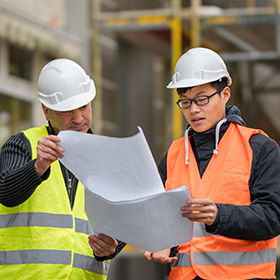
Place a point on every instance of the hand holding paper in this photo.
(102, 245)
(124, 195)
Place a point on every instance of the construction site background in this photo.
(130, 49)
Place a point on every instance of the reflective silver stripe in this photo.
(83, 226)
(227, 258)
(91, 264)
(235, 258)
(44, 220)
(35, 256)
(183, 260)
(200, 231)
(36, 219)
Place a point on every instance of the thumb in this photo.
(147, 255)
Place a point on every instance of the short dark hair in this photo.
(221, 83)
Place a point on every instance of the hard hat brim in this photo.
(72, 103)
(187, 83)
(193, 83)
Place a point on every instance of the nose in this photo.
(77, 116)
(194, 108)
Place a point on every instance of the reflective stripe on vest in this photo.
(35, 256)
(36, 219)
(53, 257)
(184, 260)
(230, 258)
(90, 264)
(200, 231)
(235, 258)
(225, 180)
(44, 220)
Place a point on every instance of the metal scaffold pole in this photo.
(176, 49)
(195, 40)
(97, 69)
(277, 35)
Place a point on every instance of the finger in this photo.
(52, 138)
(199, 213)
(168, 260)
(49, 151)
(198, 201)
(195, 217)
(107, 239)
(147, 255)
(48, 156)
(198, 207)
(49, 138)
(204, 217)
(104, 244)
(101, 247)
(50, 148)
(163, 259)
(97, 250)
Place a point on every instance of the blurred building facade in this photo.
(31, 34)
(129, 48)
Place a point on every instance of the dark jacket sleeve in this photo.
(18, 178)
(261, 219)
(162, 168)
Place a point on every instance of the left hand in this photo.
(200, 210)
(102, 245)
(161, 256)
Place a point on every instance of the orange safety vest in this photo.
(225, 181)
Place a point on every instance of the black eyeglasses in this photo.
(199, 101)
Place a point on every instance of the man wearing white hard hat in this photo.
(233, 174)
(45, 233)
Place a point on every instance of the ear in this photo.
(46, 112)
(226, 94)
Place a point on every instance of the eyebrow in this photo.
(199, 93)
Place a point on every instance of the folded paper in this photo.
(124, 194)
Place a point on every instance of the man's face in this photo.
(78, 119)
(202, 118)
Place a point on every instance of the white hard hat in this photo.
(63, 85)
(198, 66)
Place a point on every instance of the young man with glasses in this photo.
(233, 174)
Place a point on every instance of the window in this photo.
(15, 115)
(20, 62)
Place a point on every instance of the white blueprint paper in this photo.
(124, 194)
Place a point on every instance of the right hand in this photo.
(48, 151)
(161, 256)
(102, 245)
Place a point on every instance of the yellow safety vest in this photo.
(43, 238)
(225, 180)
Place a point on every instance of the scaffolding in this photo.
(198, 21)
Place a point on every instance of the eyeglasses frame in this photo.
(194, 99)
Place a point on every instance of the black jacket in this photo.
(261, 219)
